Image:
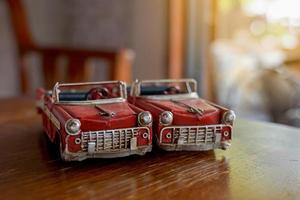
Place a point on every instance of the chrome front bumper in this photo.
(194, 138)
(70, 156)
(194, 147)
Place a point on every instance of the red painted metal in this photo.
(124, 115)
(211, 116)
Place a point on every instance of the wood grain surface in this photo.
(263, 163)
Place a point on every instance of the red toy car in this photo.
(94, 120)
(182, 120)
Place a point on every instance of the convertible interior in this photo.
(73, 96)
(161, 90)
(95, 93)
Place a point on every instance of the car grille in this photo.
(108, 140)
(194, 134)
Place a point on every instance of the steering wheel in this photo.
(98, 93)
(172, 90)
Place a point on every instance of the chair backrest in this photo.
(120, 60)
(20, 24)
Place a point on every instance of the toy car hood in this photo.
(103, 116)
(193, 110)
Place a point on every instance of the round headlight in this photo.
(166, 118)
(72, 126)
(228, 117)
(144, 118)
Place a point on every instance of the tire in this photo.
(62, 152)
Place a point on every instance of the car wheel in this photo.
(62, 151)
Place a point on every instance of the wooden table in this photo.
(263, 163)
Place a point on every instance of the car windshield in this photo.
(164, 88)
(98, 92)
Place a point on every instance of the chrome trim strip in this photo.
(170, 81)
(93, 102)
(51, 117)
(91, 83)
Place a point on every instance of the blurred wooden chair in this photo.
(120, 60)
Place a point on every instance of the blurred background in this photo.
(244, 53)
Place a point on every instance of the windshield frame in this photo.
(122, 98)
(191, 86)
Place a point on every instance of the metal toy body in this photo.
(182, 120)
(94, 120)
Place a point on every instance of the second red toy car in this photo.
(182, 120)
